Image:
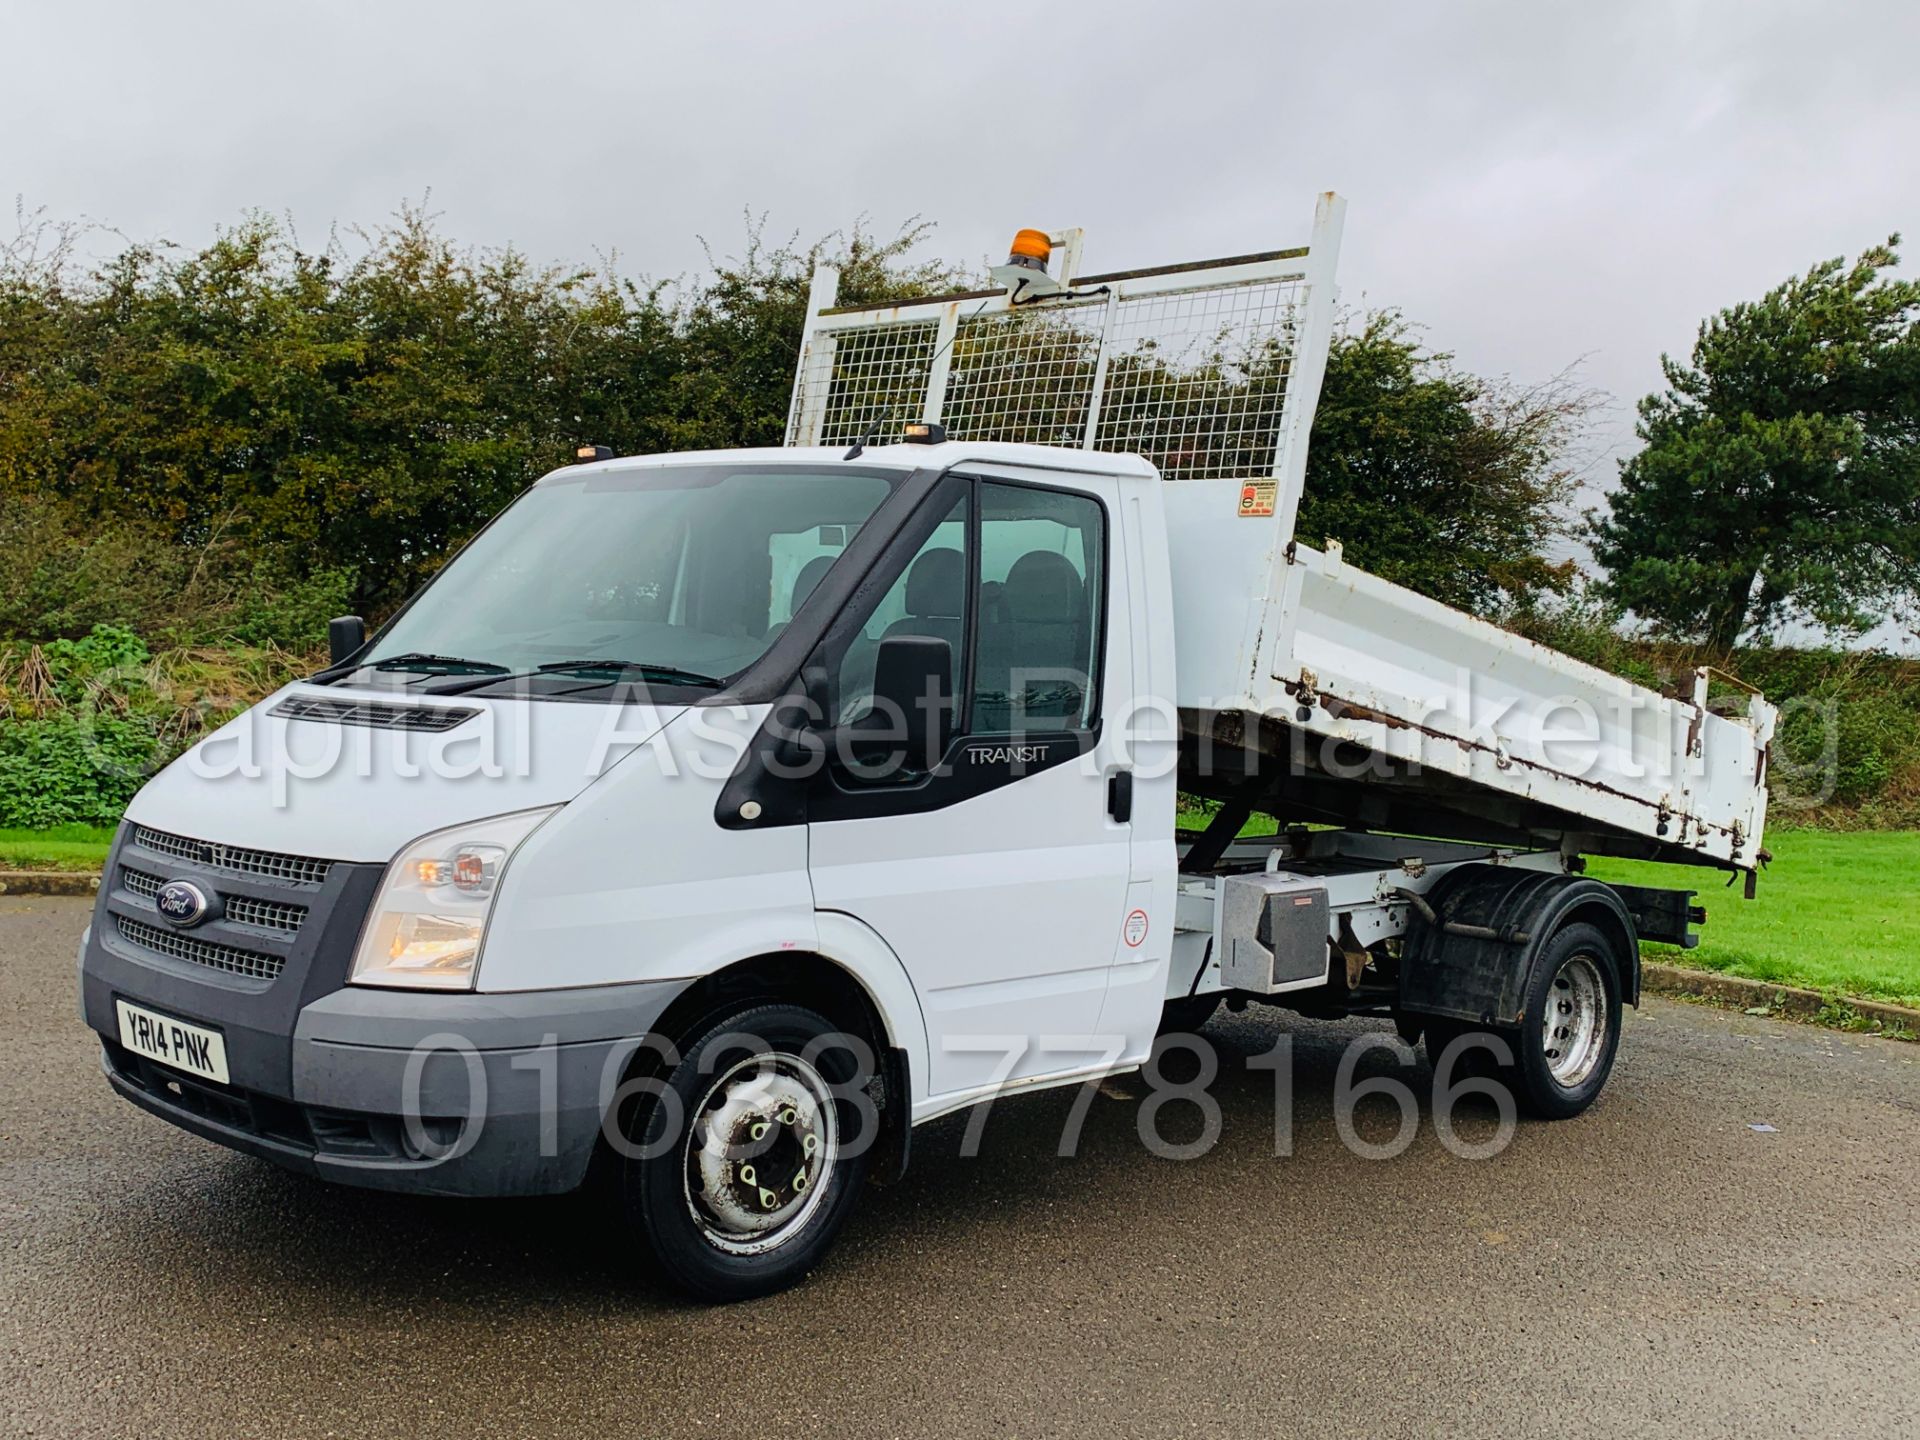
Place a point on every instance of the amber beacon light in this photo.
(1025, 272)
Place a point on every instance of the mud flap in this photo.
(1472, 961)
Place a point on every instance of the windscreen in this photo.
(694, 567)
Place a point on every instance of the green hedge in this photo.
(88, 720)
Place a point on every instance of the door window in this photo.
(1041, 602)
(928, 598)
(1015, 589)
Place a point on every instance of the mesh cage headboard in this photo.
(1210, 370)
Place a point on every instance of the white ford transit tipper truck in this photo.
(711, 820)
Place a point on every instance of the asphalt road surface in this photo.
(1657, 1263)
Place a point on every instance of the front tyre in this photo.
(746, 1165)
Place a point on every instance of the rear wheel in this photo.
(1564, 1048)
(739, 1183)
(1571, 1031)
(1479, 1054)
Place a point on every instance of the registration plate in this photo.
(191, 1048)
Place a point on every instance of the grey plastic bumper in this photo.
(528, 1075)
(321, 1074)
(508, 1090)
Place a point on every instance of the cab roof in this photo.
(946, 455)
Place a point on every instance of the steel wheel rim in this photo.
(1573, 1031)
(760, 1152)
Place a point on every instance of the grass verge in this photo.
(1831, 914)
(64, 847)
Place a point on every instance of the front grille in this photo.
(374, 713)
(268, 914)
(294, 869)
(241, 909)
(253, 964)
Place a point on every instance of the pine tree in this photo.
(1780, 477)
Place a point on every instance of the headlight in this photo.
(431, 913)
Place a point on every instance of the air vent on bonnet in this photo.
(374, 713)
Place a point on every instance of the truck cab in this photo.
(674, 737)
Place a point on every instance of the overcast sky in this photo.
(1535, 183)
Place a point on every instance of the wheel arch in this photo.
(842, 979)
(1483, 979)
(1605, 912)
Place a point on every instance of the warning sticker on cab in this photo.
(1134, 932)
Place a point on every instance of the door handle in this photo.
(1120, 796)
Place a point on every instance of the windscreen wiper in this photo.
(428, 664)
(663, 674)
(669, 674)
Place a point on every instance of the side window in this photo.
(929, 598)
(1042, 598)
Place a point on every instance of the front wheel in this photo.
(749, 1159)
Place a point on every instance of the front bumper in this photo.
(507, 1090)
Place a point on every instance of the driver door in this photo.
(998, 875)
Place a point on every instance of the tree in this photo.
(278, 429)
(1780, 474)
(1446, 483)
(284, 417)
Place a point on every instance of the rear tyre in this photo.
(1563, 1051)
(739, 1183)
(1571, 1033)
(1480, 1053)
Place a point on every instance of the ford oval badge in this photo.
(182, 903)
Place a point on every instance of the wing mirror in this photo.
(913, 679)
(345, 635)
(910, 718)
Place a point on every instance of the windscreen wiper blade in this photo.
(427, 664)
(670, 674)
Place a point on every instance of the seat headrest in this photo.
(1044, 586)
(937, 585)
(808, 580)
